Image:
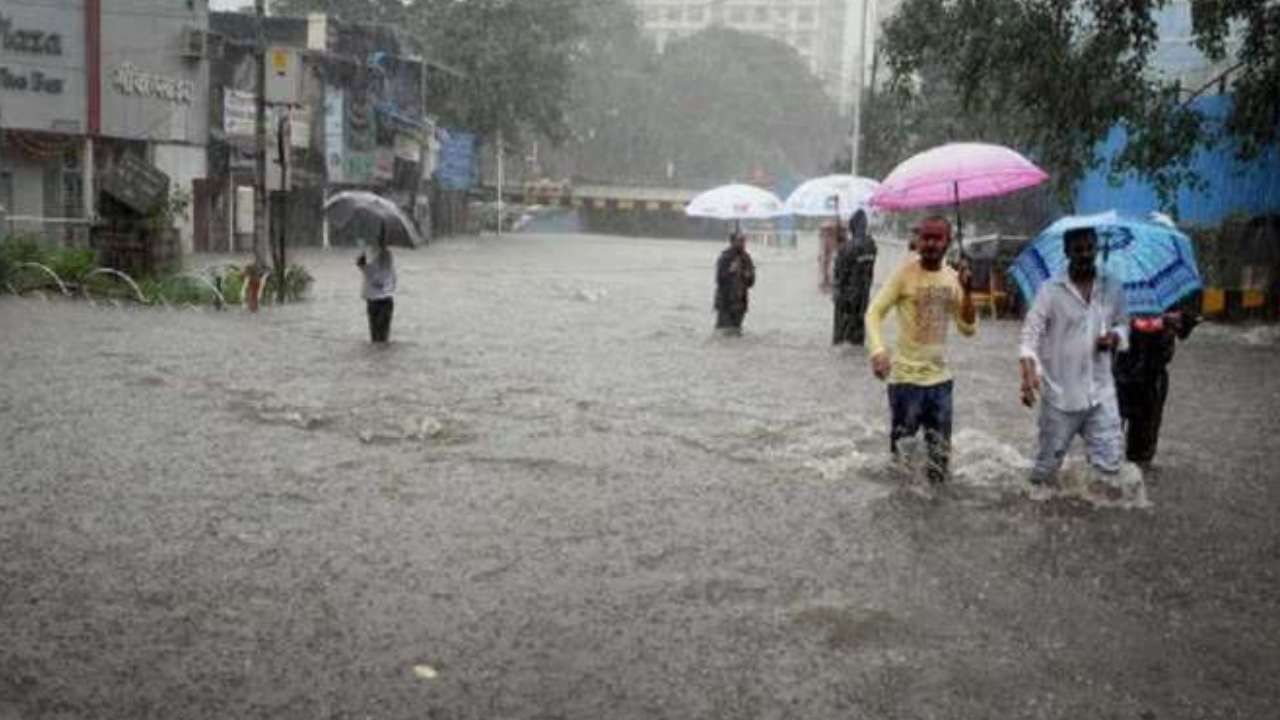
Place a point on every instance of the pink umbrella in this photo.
(956, 173)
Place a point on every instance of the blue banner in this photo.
(457, 167)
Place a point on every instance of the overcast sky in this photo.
(226, 4)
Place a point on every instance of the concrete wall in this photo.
(182, 163)
(150, 89)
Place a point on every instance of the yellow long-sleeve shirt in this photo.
(926, 301)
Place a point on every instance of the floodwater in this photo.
(557, 495)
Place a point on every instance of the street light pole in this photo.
(260, 226)
(855, 135)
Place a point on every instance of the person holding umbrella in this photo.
(1077, 320)
(1142, 378)
(735, 274)
(927, 296)
(854, 268)
(379, 287)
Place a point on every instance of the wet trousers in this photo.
(913, 407)
(1100, 428)
(380, 319)
(845, 328)
(729, 319)
(1142, 409)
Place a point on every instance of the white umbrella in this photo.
(831, 195)
(735, 202)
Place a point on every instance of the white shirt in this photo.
(379, 277)
(1061, 332)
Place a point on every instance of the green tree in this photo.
(515, 55)
(1255, 76)
(1053, 77)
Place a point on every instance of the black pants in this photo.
(730, 319)
(848, 326)
(1142, 409)
(913, 407)
(380, 318)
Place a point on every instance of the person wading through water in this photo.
(379, 287)
(927, 297)
(854, 268)
(1075, 323)
(735, 274)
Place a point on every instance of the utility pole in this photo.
(260, 226)
(284, 138)
(500, 179)
(855, 136)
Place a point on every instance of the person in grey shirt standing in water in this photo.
(379, 287)
(1075, 324)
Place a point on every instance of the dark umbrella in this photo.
(346, 206)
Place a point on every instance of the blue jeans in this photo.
(923, 406)
(1099, 426)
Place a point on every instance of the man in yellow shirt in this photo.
(927, 296)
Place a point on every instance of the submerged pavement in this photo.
(557, 495)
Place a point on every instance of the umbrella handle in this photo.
(959, 220)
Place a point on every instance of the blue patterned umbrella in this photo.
(1154, 260)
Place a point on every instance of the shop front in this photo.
(43, 121)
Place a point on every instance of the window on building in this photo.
(72, 186)
(695, 13)
(762, 14)
(651, 14)
(783, 13)
(738, 15)
(675, 14)
(6, 193)
(804, 15)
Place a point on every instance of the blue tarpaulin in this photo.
(1234, 187)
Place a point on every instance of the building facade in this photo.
(85, 82)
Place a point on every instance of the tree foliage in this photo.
(715, 106)
(1255, 85)
(1053, 77)
(514, 55)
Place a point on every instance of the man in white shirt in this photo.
(1075, 324)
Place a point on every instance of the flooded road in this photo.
(557, 495)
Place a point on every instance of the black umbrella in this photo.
(346, 206)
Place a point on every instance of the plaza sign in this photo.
(32, 81)
(33, 42)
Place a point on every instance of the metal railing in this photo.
(63, 232)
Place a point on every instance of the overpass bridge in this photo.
(638, 211)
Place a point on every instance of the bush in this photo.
(297, 281)
(18, 249)
(71, 264)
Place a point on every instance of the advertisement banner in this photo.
(240, 118)
(457, 167)
(384, 164)
(335, 147)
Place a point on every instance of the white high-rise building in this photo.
(826, 33)
(836, 38)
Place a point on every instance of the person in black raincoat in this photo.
(735, 274)
(854, 268)
(1142, 378)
